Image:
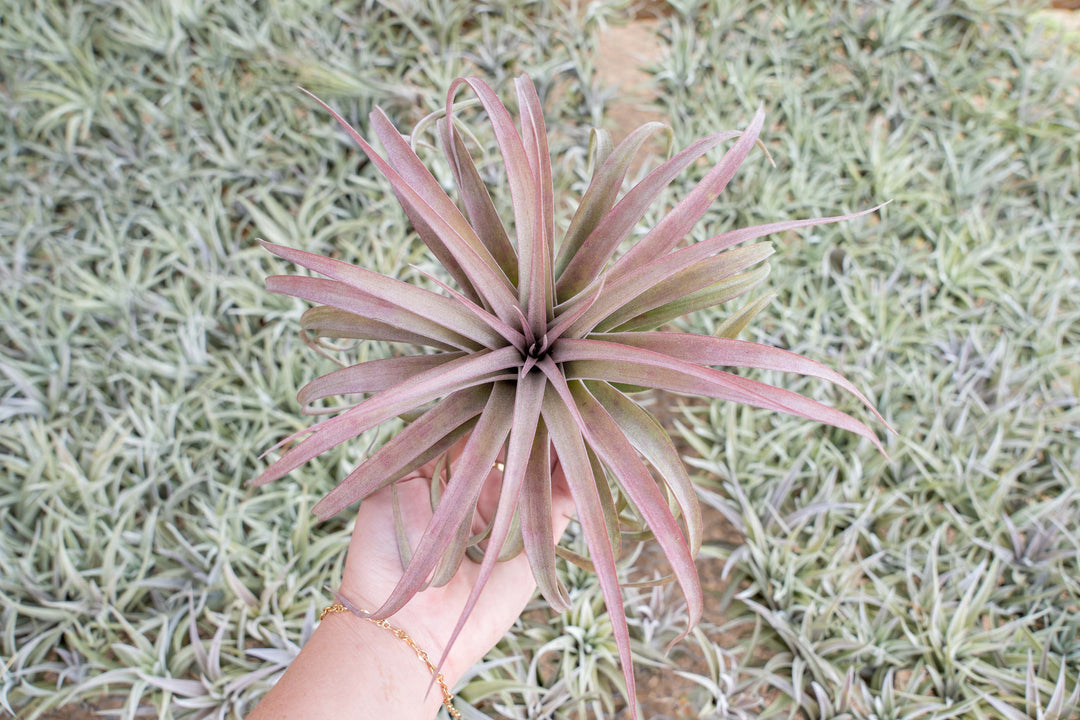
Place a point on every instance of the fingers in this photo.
(415, 508)
(562, 504)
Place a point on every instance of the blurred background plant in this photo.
(143, 368)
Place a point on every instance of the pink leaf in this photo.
(519, 173)
(536, 532)
(358, 302)
(490, 283)
(326, 321)
(598, 360)
(425, 387)
(602, 191)
(676, 224)
(539, 297)
(639, 279)
(706, 350)
(421, 440)
(616, 226)
(369, 377)
(558, 416)
(526, 415)
(608, 440)
(406, 296)
(477, 200)
(651, 441)
(460, 498)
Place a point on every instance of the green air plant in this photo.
(539, 349)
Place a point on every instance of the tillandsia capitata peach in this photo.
(539, 348)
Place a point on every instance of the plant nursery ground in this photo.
(144, 368)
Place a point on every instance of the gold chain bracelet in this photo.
(400, 634)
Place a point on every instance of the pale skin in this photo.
(351, 668)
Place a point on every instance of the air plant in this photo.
(540, 348)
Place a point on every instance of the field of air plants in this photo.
(144, 367)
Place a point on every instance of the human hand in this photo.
(373, 568)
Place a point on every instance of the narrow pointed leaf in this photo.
(654, 444)
(488, 282)
(600, 148)
(724, 291)
(538, 299)
(369, 377)
(676, 224)
(477, 200)
(460, 498)
(636, 281)
(358, 302)
(401, 294)
(402, 538)
(565, 320)
(705, 350)
(528, 397)
(419, 441)
(737, 322)
(607, 504)
(514, 544)
(598, 360)
(608, 441)
(506, 332)
(519, 173)
(575, 461)
(452, 553)
(604, 187)
(425, 387)
(616, 226)
(536, 534)
(326, 321)
(403, 159)
(697, 276)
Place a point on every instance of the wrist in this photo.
(416, 620)
(404, 662)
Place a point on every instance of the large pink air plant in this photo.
(539, 347)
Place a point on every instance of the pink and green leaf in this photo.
(519, 174)
(538, 299)
(326, 321)
(418, 442)
(603, 189)
(558, 412)
(589, 260)
(358, 302)
(459, 500)
(412, 170)
(610, 443)
(716, 351)
(727, 289)
(650, 439)
(369, 377)
(477, 200)
(456, 375)
(528, 398)
(666, 234)
(536, 535)
(439, 233)
(612, 362)
(740, 319)
(621, 307)
(640, 279)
